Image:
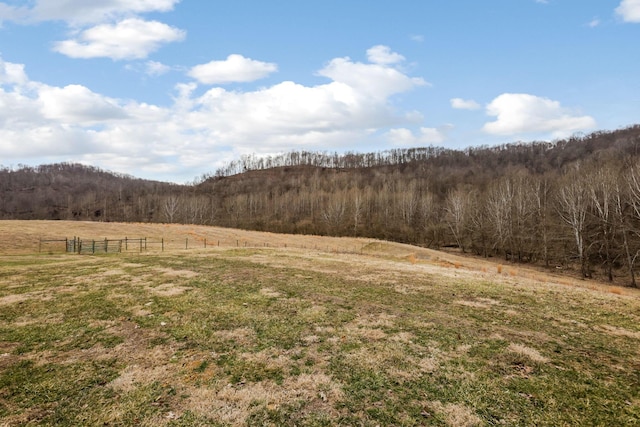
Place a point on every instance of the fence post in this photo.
(162, 241)
(145, 244)
(186, 243)
(93, 247)
(126, 243)
(205, 243)
(106, 246)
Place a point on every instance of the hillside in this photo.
(572, 204)
(309, 334)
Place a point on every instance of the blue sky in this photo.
(172, 89)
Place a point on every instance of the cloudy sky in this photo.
(172, 89)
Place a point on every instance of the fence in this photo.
(86, 246)
(144, 244)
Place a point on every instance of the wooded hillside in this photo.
(573, 203)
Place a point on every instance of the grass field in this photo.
(321, 332)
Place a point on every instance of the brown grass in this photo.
(368, 319)
(531, 353)
(22, 237)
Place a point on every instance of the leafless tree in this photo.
(170, 207)
(573, 204)
(622, 207)
(456, 212)
(541, 193)
(499, 215)
(602, 184)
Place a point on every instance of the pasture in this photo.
(304, 331)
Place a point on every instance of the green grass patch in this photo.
(268, 337)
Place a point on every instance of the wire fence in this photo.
(82, 246)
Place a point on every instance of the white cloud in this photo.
(151, 68)
(377, 80)
(236, 68)
(383, 55)
(463, 104)
(154, 68)
(519, 113)
(42, 123)
(12, 13)
(629, 10)
(595, 22)
(83, 12)
(12, 74)
(101, 28)
(403, 137)
(129, 39)
(77, 105)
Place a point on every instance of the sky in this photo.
(174, 89)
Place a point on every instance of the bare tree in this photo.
(334, 211)
(541, 192)
(431, 222)
(357, 202)
(170, 207)
(456, 211)
(499, 215)
(602, 190)
(196, 209)
(573, 204)
(632, 178)
(621, 208)
(479, 223)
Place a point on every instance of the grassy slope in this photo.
(388, 335)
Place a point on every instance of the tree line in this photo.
(569, 204)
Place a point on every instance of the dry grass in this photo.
(456, 415)
(531, 353)
(265, 335)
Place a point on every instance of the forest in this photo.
(571, 204)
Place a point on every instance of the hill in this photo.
(573, 204)
(387, 335)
